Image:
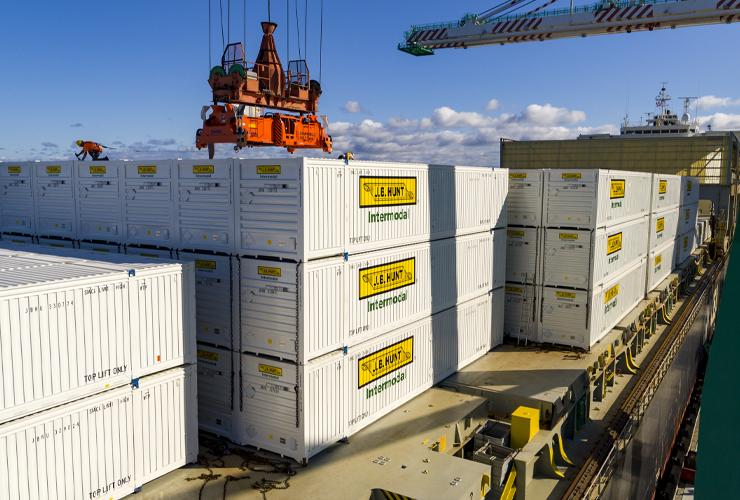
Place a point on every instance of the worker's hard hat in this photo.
(79, 143)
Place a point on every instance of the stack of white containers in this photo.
(687, 236)
(361, 286)
(664, 218)
(97, 389)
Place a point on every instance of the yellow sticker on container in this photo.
(271, 370)
(514, 289)
(270, 271)
(14, 170)
(100, 250)
(206, 264)
(565, 295)
(660, 225)
(617, 189)
(517, 234)
(517, 176)
(571, 176)
(148, 169)
(688, 210)
(208, 355)
(383, 278)
(53, 170)
(686, 242)
(203, 169)
(658, 259)
(688, 186)
(568, 236)
(614, 243)
(97, 170)
(611, 293)
(662, 187)
(268, 169)
(151, 255)
(385, 361)
(387, 191)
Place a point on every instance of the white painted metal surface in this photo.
(71, 327)
(499, 197)
(585, 259)
(147, 203)
(591, 198)
(204, 209)
(152, 253)
(666, 192)
(687, 217)
(660, 265)
(578, 318)
(499, 258)
(54, 201)
(524, 205)
(56, 243)
(524, 254)
(97, 187)
(685, 245)
(18, 239)
(104, 446)
(690, 190)
(217, 372)
(498, 307)
(110, 248)
(663, 227)
(522, 312)
(16, 198)
(302, 209)
(216, 297)
(301, 311)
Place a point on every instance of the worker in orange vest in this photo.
(93, 148)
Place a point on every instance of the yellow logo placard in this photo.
(568, 236)
(203, 169)
(688, 210)
(617, 189)
(53, 170)
(268, 169)
(207, 355)
(611, 293)
(662, 187)
(571, 176)
(660, 225)
(518, 234)
(688, 186)
(514, 289)
(385, 361)
(206, 264)
(614, 243)
(658, 259)
(270, 271)
(686, 242)
(148, 169)
(517, 176)
(272, 370)
(387, 191)
(386, 277)
(97, 170)
(565, 295)
(14, 170)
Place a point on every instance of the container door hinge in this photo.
(344, 350)
(137, 490)
(131, 272)
(346, 256)
(135, 383)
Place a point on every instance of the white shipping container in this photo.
(499, 196)
(94, 246)
(104, 446)
(593, 198)
(585, 259)
(217, 386)
(146, 203)
(98, 207)
(149, 252)
(302, 311)
(687, 217)
(690, 190)
(522, 312)
(524, 205)
(498, 306)
(56, 243)
(73, 327)
(303, 209)
(54, 200)
(18, 239)
(685, 246)
(204, 210)
(660, 265)
(701, 227)
(16, 198)
(663, 227)
(666, 192)
(578, 318)
(524, 255)
(499, 258)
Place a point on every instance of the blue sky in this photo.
(133, 75)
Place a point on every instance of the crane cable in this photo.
(221, 9)
(321, 42)
(298, 29)
(209, 35)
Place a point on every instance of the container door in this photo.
(98, 207)
(16, 198)
(216, 391)
(567, 258)
(566, 318)
(148, 214)
(54, 199)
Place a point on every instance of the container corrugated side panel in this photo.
(110, 248)
(214, 297)
(617, 248)
(668, 221)
(666, 192)
(16, 198)
(165, 430)
(690, 190)
(619, 204)
(523, 255)
(608, 309)
(204, 210)
(567, 257)
(498, 307)
(149, 253)
(97, 196)
(56, 243)
(499, 258)
(521, 311)
(687, 217)
(524, 198)
(685, 246)
(147, 204)
(660, 265)
(54, 201)
(324, 215)
(500, 194)
(216, 390)
(570, 198)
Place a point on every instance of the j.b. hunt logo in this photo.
(384, 278)
(384, 362)
(387, 191)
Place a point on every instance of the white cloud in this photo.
(493, 105)
(354, 107)
(49, 145)
(720, 121)
(548, 115)
(710, 101)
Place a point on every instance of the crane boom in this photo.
(600, 19)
